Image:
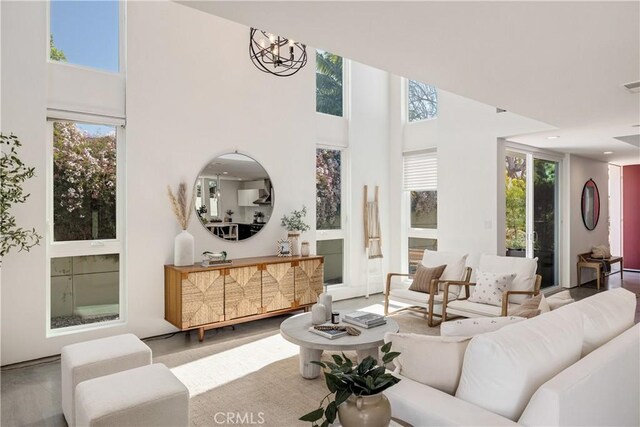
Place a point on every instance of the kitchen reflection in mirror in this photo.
(234, 197)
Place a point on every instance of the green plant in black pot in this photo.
(355, 392)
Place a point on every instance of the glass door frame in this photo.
(531, 154)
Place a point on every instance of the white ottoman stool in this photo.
(92, 359)
(146, 396)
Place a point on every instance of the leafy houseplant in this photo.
(295, 221)
(345, 379)
(12, 174)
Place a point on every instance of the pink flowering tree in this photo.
(84, 176)
(328, 204)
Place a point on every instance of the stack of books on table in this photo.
(364, 319)
(326, 330)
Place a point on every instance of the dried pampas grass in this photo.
(179, 204)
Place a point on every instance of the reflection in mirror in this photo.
(234, 197)
(590, 205)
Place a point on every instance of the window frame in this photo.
(405, 216)
(87, 247)
(346, 83)
(121, 44)
(405, 103)
(345, 206)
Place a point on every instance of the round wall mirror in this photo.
(234, 197)
(590, 204)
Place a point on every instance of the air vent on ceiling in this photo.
(633, 87)
(500, 110)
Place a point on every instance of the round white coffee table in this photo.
(296, 330)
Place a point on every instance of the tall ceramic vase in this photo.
(365, 411)
(183, 249)
(294, 236)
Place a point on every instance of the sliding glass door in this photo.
(532, 216)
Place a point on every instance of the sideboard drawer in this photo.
(242, 292)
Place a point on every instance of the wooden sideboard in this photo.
(202, 298)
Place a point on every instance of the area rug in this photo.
(255, 379)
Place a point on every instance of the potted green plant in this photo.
(295, 225)
(13, 173)
(355, 392)
(229, 217)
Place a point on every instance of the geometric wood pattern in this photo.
(277, 286)
(242, 292)
(309, 278)
(202, 298)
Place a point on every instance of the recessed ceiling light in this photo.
(608, 152)
(553, 137)
(225, 173)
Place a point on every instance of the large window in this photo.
(330, 170)
(422, 101)
(420, 205)
(86, 33)
(85, 211)
(329, 87)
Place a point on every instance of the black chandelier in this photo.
(276, 55)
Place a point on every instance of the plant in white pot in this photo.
(356, 390)
(184, 247)
(295, 225)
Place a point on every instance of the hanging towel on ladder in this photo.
(372, 237)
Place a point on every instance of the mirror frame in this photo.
(273, 200)
(596, 199)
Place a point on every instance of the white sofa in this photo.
(577, 365)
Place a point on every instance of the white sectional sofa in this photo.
(577, 365)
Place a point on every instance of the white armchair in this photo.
(525, 284)
(430, 304)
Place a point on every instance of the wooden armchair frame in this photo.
(505, 296)
(433, 290)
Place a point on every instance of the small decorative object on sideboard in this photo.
(183, 250)
(283, 247)
(304, 249)
(295, 225)
(215, 258)
(318, 314)
(355, 392)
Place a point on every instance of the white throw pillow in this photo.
(525, 269)
(455, 263)
(559, 299)
(490, 287)
(503, 369)
(544, 304)
(476, 326)
(430, 360)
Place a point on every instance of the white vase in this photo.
(304, 248)
(326, 300)
(294, 236)
(183, 249)
(318, 314)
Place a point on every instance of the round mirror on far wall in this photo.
(234, 197)
(590, 204)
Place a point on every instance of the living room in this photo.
(175, 91)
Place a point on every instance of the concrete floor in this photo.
(30, 391)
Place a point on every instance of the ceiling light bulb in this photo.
(272, 38)
(225, 173)
(553, 137)
(291, 42)
(608, 152)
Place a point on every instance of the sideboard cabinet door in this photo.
(242, 292)
(309, 278)
(202, 298)
(277, 286)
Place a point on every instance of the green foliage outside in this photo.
(516, 212)
(54, 53)
(328, 83)
(13, 174)
(345, 379)
(84, 184)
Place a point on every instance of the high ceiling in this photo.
(562, 63)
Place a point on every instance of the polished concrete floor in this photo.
(30, 392)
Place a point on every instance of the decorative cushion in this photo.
(455, 263)
(559, 299)
(503, 369)
(471, 309)
(431, 360)
(476, 326)
(423, 277)
(490, 287)
(532, 307)
(524, 268)
(601, 251)
(526, 313)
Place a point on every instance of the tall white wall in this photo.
(581, 240)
